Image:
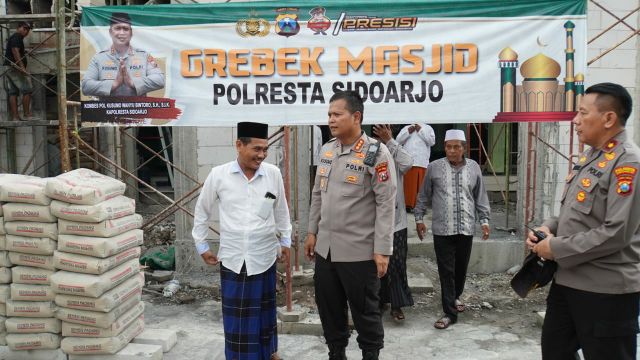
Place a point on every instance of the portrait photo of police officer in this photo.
(122, 70)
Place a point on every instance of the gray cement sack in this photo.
(109, 300)
(114, 208)
(84, 186)
(31, 191)
(3, 328)
(32, 229)
(93, 318)
(131, 315)
(39, 261)
(110, 345)
(91, 265)
(24, 325)
(5, 261)
(40, 341)
(31, 275)
(3, 309)
(27, 212)
(27, 292)
(98, 246)
(106, 228)
(5, 293)
(65, 282)
(37, 309)
(3, 339)
(30, 245)
(3, 238)
(5, 275)
(2, 229)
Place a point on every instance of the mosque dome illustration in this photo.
(507, 54)
(540, 67)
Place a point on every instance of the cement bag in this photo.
(39, 261)
(3, 339)
(93, 318)
(114, 208)
(5, 292)
(131, 315)
(98, 246)
(107, 228)
(84, 186)
(3, 309)
(25, 292)
(3, 329)
(23, 325)
(29, 191)
(91, 265)
(32, 229)
(5, 261)
(3, 238)
(27, 212)
(1, 213)
(70, 283)
(36, 309)
(107, 301)
(110, 345)
(5, 275)
(40, 341)
(30, 245)
(31, 275)
(2, 229)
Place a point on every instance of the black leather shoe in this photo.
(337, 353)
(370, 354)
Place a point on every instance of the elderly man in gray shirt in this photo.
(453, 185)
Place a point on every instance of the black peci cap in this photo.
(253, 130)
(119, 18)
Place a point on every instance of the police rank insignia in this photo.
(611, 144)
(287, 22)
(625, 175)
(382, 170)
(602, 164)
(359, 145)
(586, 182)
(253, 26)
(583, 159)
(581, 195)
(610, 156)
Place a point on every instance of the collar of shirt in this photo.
(357, 146)
(235, 168)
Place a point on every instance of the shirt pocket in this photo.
(323, 176)
(584, 195)
(353, 183)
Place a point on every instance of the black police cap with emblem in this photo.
(253, 130)
(535, 273)
(120, 18)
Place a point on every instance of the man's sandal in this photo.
(443, 323)
(397, 314)
(459, 306)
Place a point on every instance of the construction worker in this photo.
(122, 70)
(16, 78)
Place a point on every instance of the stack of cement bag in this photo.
(31, 234)
(99, 285)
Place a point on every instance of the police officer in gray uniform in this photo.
(593, 302)
(121, 70)
(351, 223)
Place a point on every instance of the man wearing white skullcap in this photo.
(454, 186)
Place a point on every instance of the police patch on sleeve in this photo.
(382, 170)
(625, 175)
(151, 61)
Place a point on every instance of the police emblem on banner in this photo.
(319, 22)
(253, 26)
(287, 22)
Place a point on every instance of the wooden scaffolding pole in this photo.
(65, 162)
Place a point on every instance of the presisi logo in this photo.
(373, 23)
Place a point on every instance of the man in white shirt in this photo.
(255, 229)
(417, 139)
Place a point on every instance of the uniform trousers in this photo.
(356, 284)
(604, 326)
(452, 255)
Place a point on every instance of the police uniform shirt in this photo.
(353, 204)
(103, 70)
(597, 233)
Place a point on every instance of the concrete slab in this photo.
(540, 319)
(8, 354)
(309, 326)
(302, 277)
(130, 352)
(296, 314)
(420, 285)
(158, 275)
(163, 337)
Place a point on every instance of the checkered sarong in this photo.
(249, 314)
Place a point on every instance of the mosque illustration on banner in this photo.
(540, 97)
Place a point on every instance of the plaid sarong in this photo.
(249, 314)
